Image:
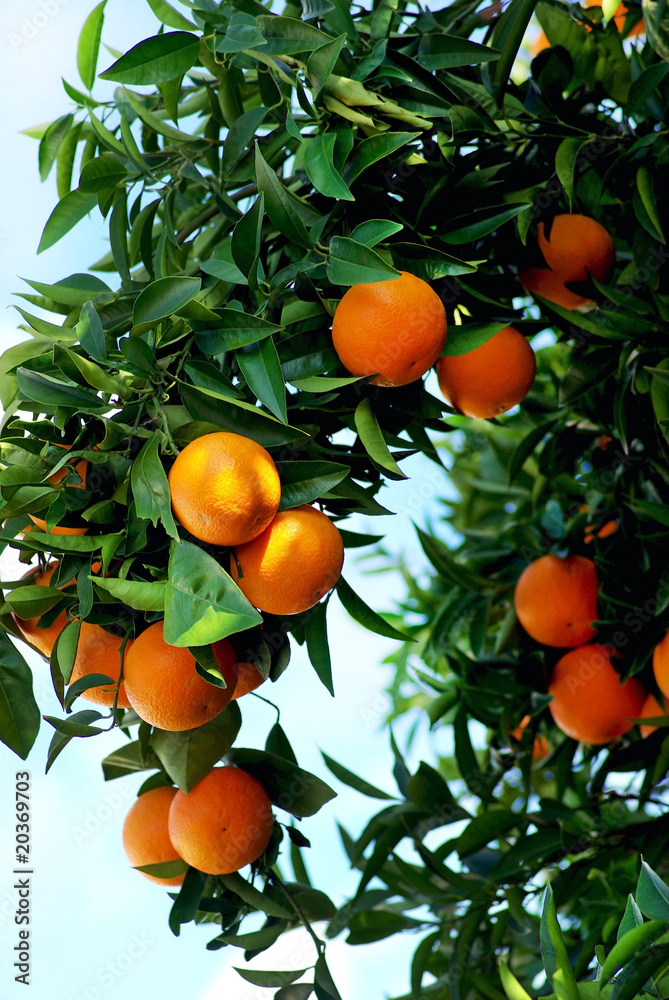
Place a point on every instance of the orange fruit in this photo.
(661, 665)
(225, 488)
(556, 599)
(249, 679)
(146, 840)
(589, 702)
(651, 709)
(392, 329)
(165, 689)
(576, 247)
(540, 748)
(99, 652)
(292, 564)
(607, 529)
(82, 471)
(42, 638)
(490, 379)
(223, 823)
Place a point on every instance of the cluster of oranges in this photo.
(556, 602)
(396, 329)
(222, 824)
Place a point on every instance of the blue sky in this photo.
(100, 930)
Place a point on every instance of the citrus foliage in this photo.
(268, 162)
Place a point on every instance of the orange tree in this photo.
(252, 165)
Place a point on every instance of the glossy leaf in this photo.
(189, 755)
(155, 60)
(19, 712)
(89, 45)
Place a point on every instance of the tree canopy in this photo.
(251, 166)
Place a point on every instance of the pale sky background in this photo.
(99, 930)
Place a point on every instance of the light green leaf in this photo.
(89, 45)
(150, 488)
(68, 212)
(373, 441)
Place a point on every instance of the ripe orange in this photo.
(223, 823)
(293, 563)
(82, 471)
(42, 638)
(225, 488)
(146, 840)
(589, 702)
(540, 748)
(651, 709)
(395, 329)
(164, 687)
(99, 652)
(490, 379)
(576, 247)
(556, 599)
(249, 679)
(661, 665)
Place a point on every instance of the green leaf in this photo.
(51, 392)
(323, 60)
(239, 416)
(19, 712)
(632, 917)
(127, 760)
(259, 901)
(90, 332)
(153, 122)
(319, 165)
(103, 172)
(135, 593)
(76, 290)
(80, 369)
(88, 46)
(162, 298)
(247, 239)
(644, 186)
(484, 828)
(304, 482)
(202, 603)
(481, 227)
(269, 979)
(352, 263)
(261, 368)
(280, 204)
(652, 894)
(374, 231)
(352, 780)
(167, 14)
(373, 441)
(507, 36)
(50, 143)
(156, 59)
(364, 615)
(566, 159)
(32, 601)
(68, 212)
(287, 35)
(150, 488)
(646, 84)
(440, 51)
(512, 987)
(235, 329)
(288, 786)
(469, 336)
(554, 951)
(376, 148)
(428, 263)
(189, 755)
(629, 945)
(317, 644)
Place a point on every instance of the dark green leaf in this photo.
(261, 368)
(352, 780)
(364, 615)
(352, 263)
(189, 755)
(280, 204)
(373, 441)
(162, 298)
(150, 488)
(319, 165)
(317, 644)
(68, 212)
(156, 59)
(304, 482)
(19, 712)
(652, 894)
(288, 786)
